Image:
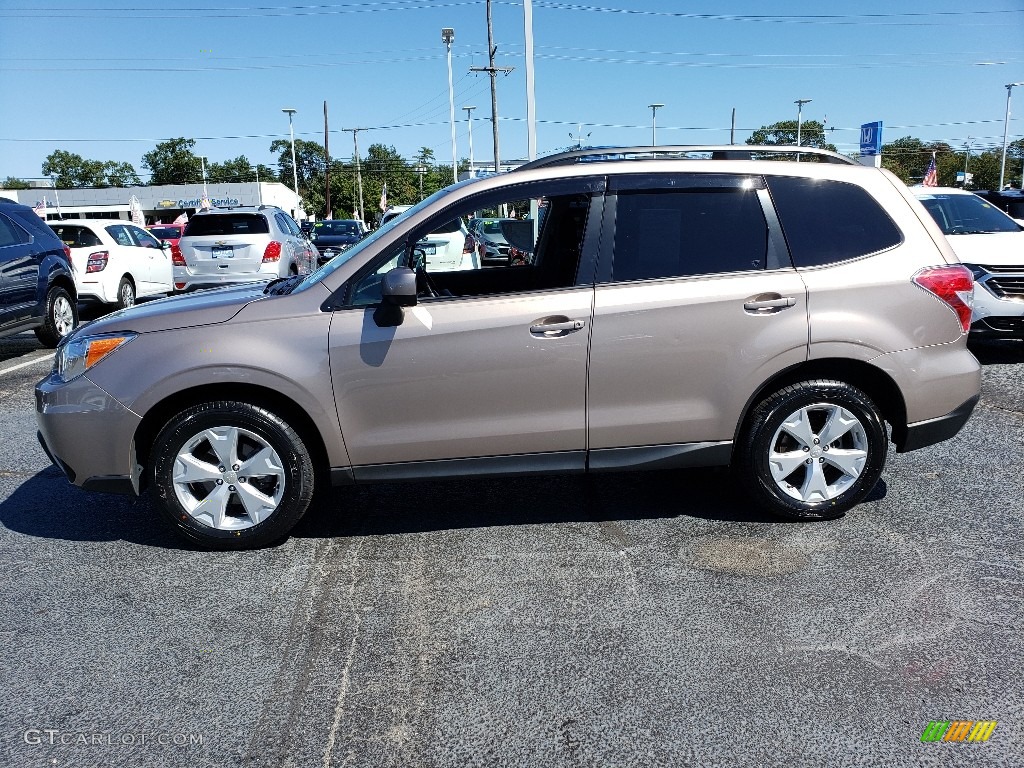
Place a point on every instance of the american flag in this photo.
(384, 197)
(931, 176)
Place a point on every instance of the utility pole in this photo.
(327, 166)
(493, 72)
(359, 174)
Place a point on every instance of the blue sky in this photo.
(107, 83)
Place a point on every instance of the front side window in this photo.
(827, 221)
(544, 253)
(681, 232)
(143, 238)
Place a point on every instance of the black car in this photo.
(332, 236)
(1010, 201)
(37, 283)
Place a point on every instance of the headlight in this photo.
(78, 354)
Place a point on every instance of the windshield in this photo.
(967, 215)
(367, 242)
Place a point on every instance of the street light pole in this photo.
(420, 170)
(202, 163)
(448, 37)
(1006, 128)
(967, 156)
(654, 123)
(469, 119)
(295, 170)
(800, 118)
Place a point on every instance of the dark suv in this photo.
(37, 285)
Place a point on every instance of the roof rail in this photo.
(680, 152)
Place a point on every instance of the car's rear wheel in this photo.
(812, 450)
(61, 317)
(231, 475)
(126, 293)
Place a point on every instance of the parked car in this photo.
(169, 233)
(782, 317)
(115, 261)
(227, 246)
(991, 245)
(448, 246)
(37, 282)
(491, 245)
(332, 236)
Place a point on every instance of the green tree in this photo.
(812, 134)
(173, 162)
(13, 183)
(119, 175)
(310, 161)
(74, 171)
(237, 170)
(909, 158)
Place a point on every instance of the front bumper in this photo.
(88, 434)
(999, 302)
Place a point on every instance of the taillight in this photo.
(176, 258)
(97, 261)
(470, 245)
(67, 252)
(273, 252)
(953, 284)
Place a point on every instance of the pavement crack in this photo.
(343, 688)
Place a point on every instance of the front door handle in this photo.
(766, 303)
(556, 326)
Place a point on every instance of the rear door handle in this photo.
(561, 328)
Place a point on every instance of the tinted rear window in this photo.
(227, 224)
(75, 236)
(675, 233)
(827, 221)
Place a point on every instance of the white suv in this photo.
(225, 246)
(991, 245)
(447, 247)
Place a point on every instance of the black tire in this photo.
(126, 293)
(816, 488)
(291, 489)
(55, 327)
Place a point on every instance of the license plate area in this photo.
(429, 249)
(222, 252)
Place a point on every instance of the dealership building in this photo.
(159, 204)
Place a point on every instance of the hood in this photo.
(187, 311)
(996, 248)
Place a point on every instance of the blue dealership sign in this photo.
(871, 138)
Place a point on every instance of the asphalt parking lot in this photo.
(623, 620)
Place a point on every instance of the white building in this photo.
(160, 204)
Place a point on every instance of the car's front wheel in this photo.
(812, 450)
(231, 475)
(61, 317)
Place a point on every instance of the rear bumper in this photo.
(932, 431)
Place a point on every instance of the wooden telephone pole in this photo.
(493, 72)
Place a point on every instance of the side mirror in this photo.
(398, 290)
(165, 245)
